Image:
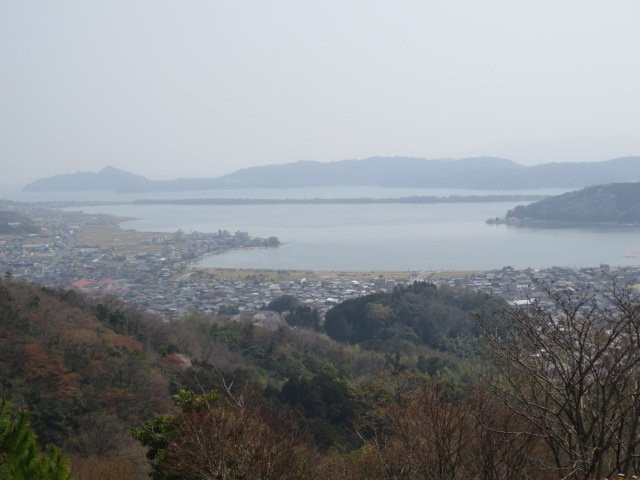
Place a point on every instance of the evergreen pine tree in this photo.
(21, 458)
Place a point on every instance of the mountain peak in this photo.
(110, 169)
(108, 179)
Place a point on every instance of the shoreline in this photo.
(532, 223)
(131, 241)
(309, 274)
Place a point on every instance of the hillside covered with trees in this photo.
(616, 203)
(418, 315)
(418, 383)
(89, 370)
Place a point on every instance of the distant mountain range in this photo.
(108, 179)
(617, 203)
(489, 173)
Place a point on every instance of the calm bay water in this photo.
(386, 236)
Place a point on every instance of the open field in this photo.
(276, 276)
(124, 242)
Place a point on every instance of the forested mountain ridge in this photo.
(236, 397)
(83, 379)
(616, 203)
(399, 172)
(88, 370)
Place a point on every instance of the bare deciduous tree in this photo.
(575, 376)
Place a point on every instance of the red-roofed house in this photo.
(83, 282)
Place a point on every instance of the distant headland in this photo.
(612, 204)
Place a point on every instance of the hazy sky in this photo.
(200, 88)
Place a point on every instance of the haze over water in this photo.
(387, 237)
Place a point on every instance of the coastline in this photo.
(297, 275)
(530, 222)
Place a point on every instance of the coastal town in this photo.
(159, 272)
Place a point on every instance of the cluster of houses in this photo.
(211, 294)
(521, 287)
(157, 276)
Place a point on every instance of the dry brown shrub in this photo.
(121, 341)
(98, 468)
(79, 336)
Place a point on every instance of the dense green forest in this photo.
(616, 203)
(417, 383)
(411, 317)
